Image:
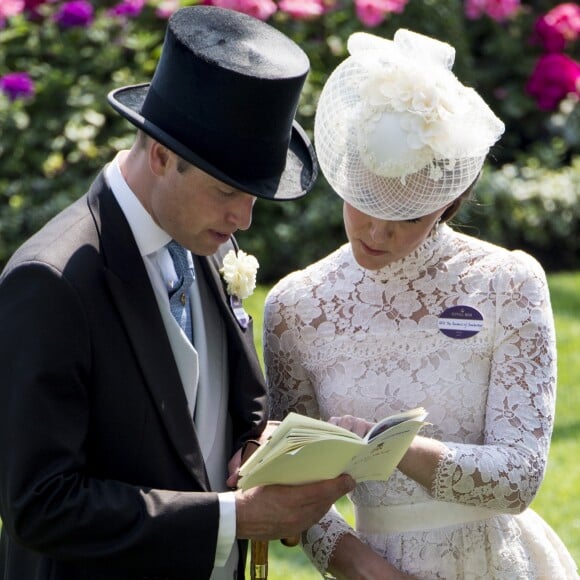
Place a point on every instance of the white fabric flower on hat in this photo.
(410, 92)
(239, 272)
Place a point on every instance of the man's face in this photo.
(197, 210)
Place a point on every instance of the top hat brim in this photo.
(295, 181)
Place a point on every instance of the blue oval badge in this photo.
(460, 322)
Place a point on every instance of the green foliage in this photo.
(53, 144)
(530, 208)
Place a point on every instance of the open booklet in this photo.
(302, 450)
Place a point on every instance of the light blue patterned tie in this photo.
(179, 294)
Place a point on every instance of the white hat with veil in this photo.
(397, 135)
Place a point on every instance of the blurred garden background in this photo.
(59, 59)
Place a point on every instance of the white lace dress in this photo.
(339, 339)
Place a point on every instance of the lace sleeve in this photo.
(320, 541)
(289, 386)
(505, 472)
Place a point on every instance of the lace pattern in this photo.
(320, 541)
(339, 340)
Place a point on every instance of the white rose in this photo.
(239, 272)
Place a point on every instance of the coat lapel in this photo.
(247, 396)
(134, 297)
(211, 266)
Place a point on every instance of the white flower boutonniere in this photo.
(239, 272)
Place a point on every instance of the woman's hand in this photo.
(354, 560)
(356, 425)
(420, 460)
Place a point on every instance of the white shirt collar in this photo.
(149, 236)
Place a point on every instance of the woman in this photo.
(412, 313)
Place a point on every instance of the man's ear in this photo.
(159, 157)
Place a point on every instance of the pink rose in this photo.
(558, 27)
(302, 9)
(370, 12)
(261, 9)
(553, 79)
(498, 10)
(10, 8)
(396, 6)
(166, 8)
(373, 12)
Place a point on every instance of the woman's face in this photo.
(377, 243)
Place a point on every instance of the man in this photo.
(116, 430)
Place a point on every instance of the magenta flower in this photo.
(31, 8)
(373, 12)
(75, 13)
(498, 10)
(127, 8)
(302, 9)
(32, 5)
(17, 85)
(558, 27)
(261, 9)
(554, 78)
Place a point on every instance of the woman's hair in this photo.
(456, 204)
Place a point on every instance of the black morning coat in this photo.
(101, 473)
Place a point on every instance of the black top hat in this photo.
(223, 97)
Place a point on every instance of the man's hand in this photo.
(279, 511)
